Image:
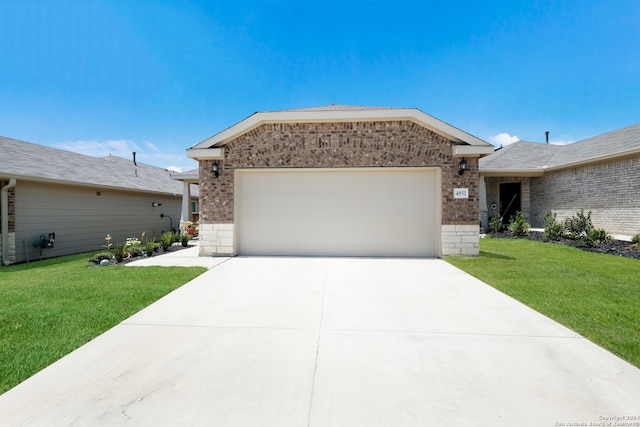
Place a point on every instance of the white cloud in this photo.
(120, 148)
(561, 142)
(146, 152)
(503, 139)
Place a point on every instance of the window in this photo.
(194, 207)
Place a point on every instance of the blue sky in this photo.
(157, 77)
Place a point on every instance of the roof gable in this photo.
(341, 113)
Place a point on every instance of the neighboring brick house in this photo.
(600, 174)
(339, 181)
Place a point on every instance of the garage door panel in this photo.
(338, 212)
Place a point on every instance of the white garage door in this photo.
(338, 212)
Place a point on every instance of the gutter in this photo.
(5, 220)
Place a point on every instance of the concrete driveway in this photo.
(331, 342)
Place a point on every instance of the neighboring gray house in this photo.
(600, 174)
(340, 181)
(81, 199)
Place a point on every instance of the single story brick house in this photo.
(600, 174)
(340, 181)
(77, 200)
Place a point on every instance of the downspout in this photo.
(5, 220)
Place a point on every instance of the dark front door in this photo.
(509, 200)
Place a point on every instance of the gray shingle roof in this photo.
(523, 155)
(24, 160)
(520, 155)
(604, 145)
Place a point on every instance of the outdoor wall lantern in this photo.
(215, 169)
(156, 204)
(463, 167)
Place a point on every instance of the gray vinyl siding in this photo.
(81, 219)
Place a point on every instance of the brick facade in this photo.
(11, 238)
(608, 189)
(339, 145)
(12, 207)
(493, 194)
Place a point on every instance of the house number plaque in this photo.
(460, 193)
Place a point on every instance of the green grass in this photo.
(596, 295)
(49, 308)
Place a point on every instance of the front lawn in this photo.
(49, 308)
(596, 295)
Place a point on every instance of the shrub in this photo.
(167, 239)
(579, 226)
(184, 239)
(100, 256)
(635, 241)
(518, 225)
(133, 246)
(495, 224)
(119, 251)
(151, 246)
(598, 235)
(553, 230)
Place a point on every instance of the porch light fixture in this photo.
(463, 167)
(215, 169)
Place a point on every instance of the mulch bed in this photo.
(615, 247)
(173, 248)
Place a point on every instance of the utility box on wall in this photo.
(46, 242)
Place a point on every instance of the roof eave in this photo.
(511, 172)
(411, 114)
(596, 159)
(83, 184)
(191, 178)
(472, 150)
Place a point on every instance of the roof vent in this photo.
(546, 136)
(134, 158)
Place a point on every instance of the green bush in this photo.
(151, 246)
(553, 230)
(495, 224)
(598, 235)
(100, 256)
(635, 241)
(119, 251)
(133, 246)
(518, 225)
(579, 226)
(167, 239)
(184, 239)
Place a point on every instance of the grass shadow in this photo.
(485, 254)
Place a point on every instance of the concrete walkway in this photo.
(331, 342)
(182, 258)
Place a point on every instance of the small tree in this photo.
(553, 230)
(495, 224)
(518, 225)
